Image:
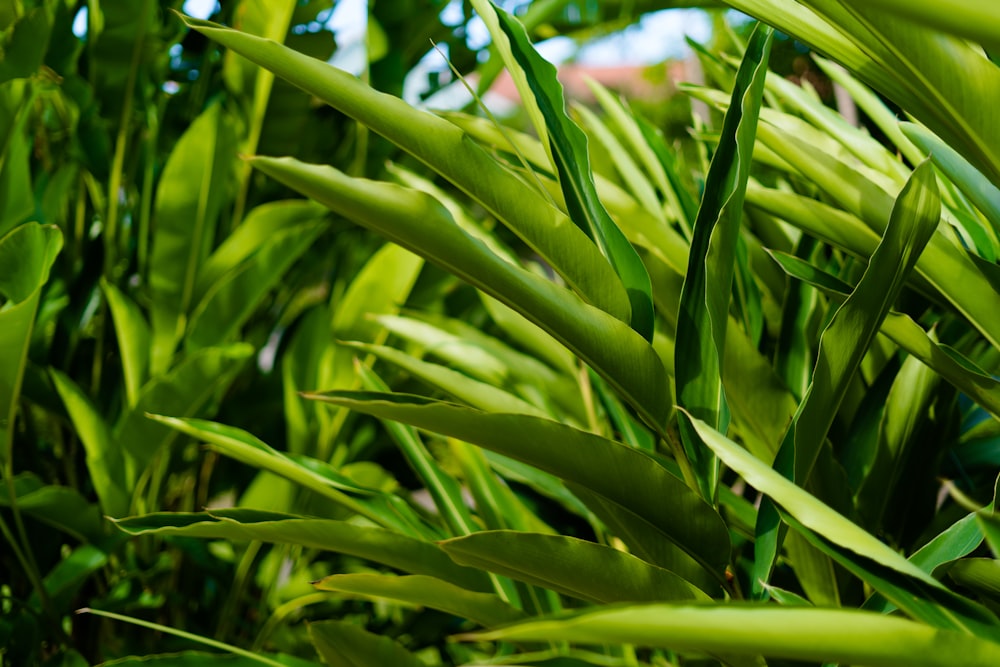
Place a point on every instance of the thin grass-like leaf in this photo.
(704, 303)
(568, 150)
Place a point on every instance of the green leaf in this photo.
(936, 606)
(811, 512)
(844, 343)
(974, 21)
(704, 305)
(189, 198)
(26, 257)
(473, 392)
(230, 301)
(240, 445)
(983, 194)
(910, 336)
(132, 333)
(375, 544)
(442, 487)
(182, 392)
(61, 507)
(619, 473)
(342, 644)
(23, 45)
(63, 582)
(647, 541)
(105, 460)
(420, 223)
(445, 148)
(978, 574)
(484, 609)
(568, 149)
(567, 565)
(795, 633)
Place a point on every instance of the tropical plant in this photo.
(653, 408)
(822, 322)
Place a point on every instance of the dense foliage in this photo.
(292, 371)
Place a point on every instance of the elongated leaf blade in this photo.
(567, 565)
(568, 148)
(484, 609)
(375, 544)
(418, 222)
(622, 474)
(795, 633)
(704, 303)
(445, 148)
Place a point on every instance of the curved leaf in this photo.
(795, 633)
(375, 544)
(570, 566)
(619, 473)
(444, 148)
(484, 609)
(420, 223)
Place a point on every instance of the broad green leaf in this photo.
(189, 198)
(63, 582)
(974, 21)
(105, 460)
(647, 541)
(484, 609)
(375, 544)
(574, 567)
(229, 302)
(253, 235)
(183, 392)
(343, 644)
(24, 44)
(568, 149)
(418, 222)
(621, 474)
(528, 334)
(445, 148)
(700, 346)
(61, 507)
(133, 335)
(26, 257)
(795, 633)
